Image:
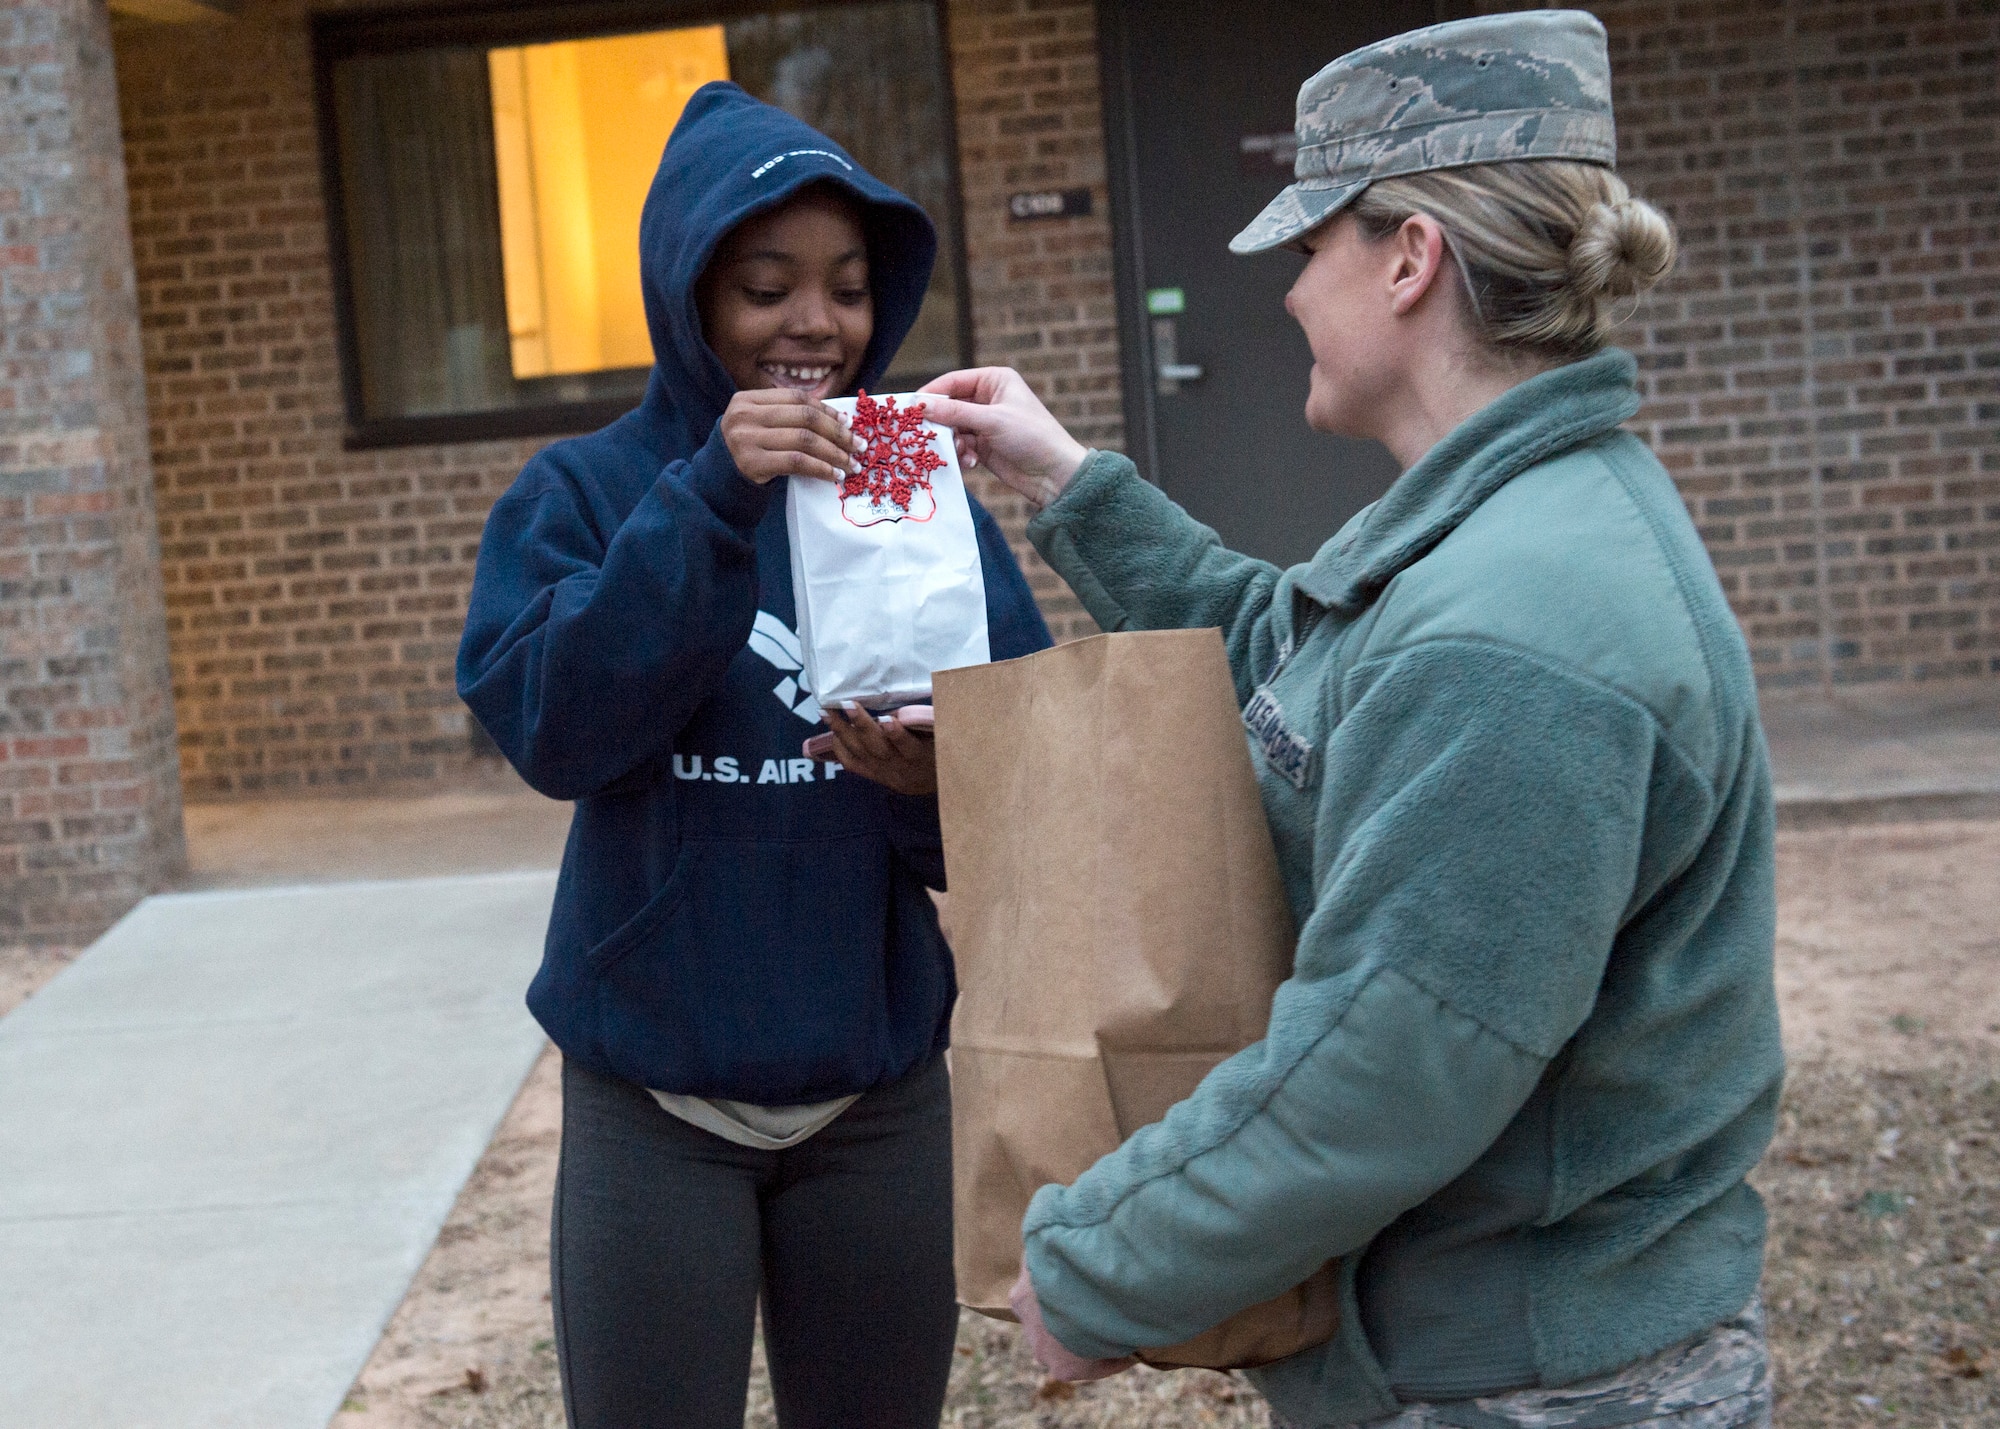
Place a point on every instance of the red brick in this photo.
(1836, 153)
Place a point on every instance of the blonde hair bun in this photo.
(1620, 248)
(1545, 246)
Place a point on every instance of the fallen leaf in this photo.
(1054, 1389)
(1961, 1362)
(475, 1379)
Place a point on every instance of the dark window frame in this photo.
(344, 34)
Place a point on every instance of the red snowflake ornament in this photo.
(894, 483)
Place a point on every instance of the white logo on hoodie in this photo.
(770, 164)
(776, 642)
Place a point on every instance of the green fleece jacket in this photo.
(1506, 734)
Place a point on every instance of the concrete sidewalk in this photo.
(1893, 752)
(501, 826)
(230, 1130)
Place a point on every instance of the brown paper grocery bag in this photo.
(1119, 926)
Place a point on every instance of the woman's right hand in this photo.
(1050, 1353)
(1003, 425)
(773, 432)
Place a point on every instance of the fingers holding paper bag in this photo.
(998, 417)
(775, 431)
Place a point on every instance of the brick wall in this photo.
(1823, 372)
(1029, 117)
(89, 804)
(314, 595)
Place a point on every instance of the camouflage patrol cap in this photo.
(1530, 85)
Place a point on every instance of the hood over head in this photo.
(732, 156)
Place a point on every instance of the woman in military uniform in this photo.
(1507, 739)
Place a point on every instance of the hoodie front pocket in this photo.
(653, 913)
(767, 981)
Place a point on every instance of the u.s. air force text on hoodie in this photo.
(732, 920)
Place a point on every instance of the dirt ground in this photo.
(1889, 941)
(1884, 1182)
(22, 970)
(1884, 1190)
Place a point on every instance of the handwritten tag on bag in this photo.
(885, 565)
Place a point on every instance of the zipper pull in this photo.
(1285, 652)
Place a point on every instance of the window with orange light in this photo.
(487, 175)
(578, 126)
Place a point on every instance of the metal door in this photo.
(1198, 116)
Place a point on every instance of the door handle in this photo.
(1168, 369)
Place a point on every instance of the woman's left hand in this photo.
(1051, 1353)
(891, 753)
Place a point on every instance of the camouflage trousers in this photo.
(1720, 1379)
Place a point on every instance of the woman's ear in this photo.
(1420, 257)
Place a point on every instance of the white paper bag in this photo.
(885, 566)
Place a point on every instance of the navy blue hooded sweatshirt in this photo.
(732, 920)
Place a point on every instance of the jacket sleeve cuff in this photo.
(712, 475)
(1100, 474)
(1055, 529)
(1053, 1289)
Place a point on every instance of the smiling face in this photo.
(1342, 300)
(785, 301)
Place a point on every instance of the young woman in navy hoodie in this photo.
(743, 967)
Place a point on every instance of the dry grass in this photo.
(1884, 1189)
(993, 1386)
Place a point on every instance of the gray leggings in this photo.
(665, 1238)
